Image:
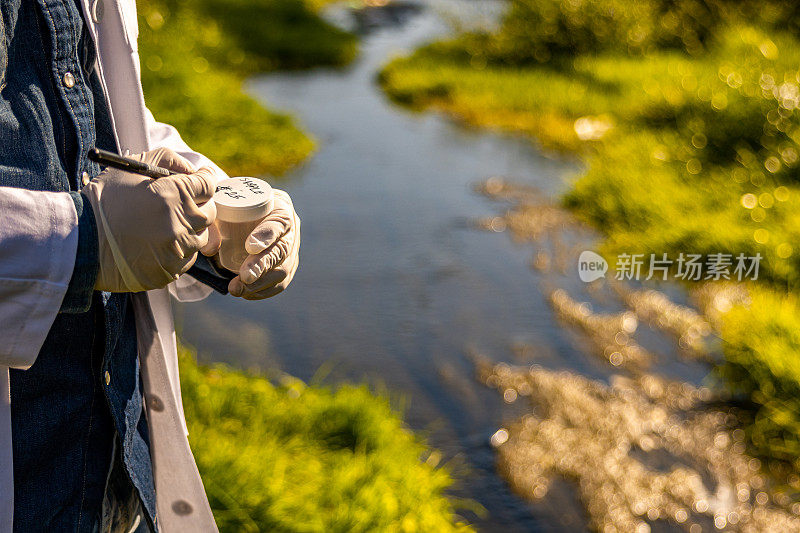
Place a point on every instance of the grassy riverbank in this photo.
(195, 56)
(686, 115)
(291, 457)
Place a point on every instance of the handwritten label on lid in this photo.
(242, 192)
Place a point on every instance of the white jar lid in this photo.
(243, 199)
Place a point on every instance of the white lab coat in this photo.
(38, 243)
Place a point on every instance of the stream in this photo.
(397, 286)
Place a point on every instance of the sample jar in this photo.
(242, 203)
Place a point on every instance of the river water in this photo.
(396, 285)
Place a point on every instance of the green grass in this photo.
(195, 55)
(505, 98)
(292, 457)
(703, 155)
(762, 362)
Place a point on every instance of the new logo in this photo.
(591, 266)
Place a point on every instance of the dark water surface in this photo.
(395, 286)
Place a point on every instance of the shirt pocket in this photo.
(130, 25)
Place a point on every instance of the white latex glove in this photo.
(274, 248)
(150, 231)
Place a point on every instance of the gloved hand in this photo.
(150, 231)
(274, 248)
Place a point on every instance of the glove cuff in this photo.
(112, 266)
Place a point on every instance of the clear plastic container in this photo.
(242, 203)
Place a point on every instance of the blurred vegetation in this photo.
(762, 362)
(686, 113)
(196, 54)
(291, 457)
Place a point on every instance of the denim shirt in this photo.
(84, 390)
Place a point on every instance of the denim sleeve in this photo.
(84, 276)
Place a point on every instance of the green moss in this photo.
(195, 55)
(299, 458)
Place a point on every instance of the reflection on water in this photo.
(397, 286)
(638, 450)
(643, 452)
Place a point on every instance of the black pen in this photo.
(110, 159)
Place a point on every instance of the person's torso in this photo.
(85, 383)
